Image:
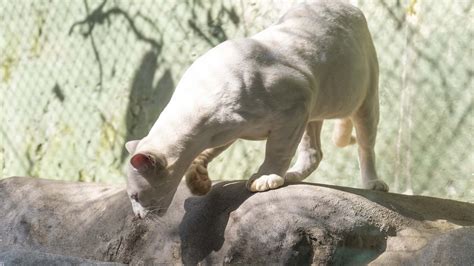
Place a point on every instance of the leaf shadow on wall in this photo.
(146, 101)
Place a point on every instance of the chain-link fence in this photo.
(79, 78)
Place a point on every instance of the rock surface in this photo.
(27, 257)
(46, 221)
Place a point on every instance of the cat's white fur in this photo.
(317, 62)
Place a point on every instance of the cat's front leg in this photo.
(309, 153)
(280, 149)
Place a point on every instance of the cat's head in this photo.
(150, 185)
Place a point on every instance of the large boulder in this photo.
(43, 220)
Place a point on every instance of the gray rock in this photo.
(298, 224)
(34, 258)
(454, 248)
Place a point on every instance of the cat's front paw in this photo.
(197, 179)
(264, 182)
(376, 184)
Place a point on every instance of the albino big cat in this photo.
(316, 62)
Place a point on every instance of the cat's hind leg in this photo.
(365, 122)
(309, 153)
(197, 177)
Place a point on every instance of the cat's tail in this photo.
(342, 134)
(197, 178)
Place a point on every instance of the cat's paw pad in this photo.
(376, 185)
(197, 179)
(265, 182)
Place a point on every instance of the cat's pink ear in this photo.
(142, 162)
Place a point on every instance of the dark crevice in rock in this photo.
(360, 245)
(302, 252)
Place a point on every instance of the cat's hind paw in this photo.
(376, 184)
(265, 182)
(294, 176)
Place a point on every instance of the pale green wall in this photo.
(71, 96)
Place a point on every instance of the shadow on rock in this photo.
(202, 228)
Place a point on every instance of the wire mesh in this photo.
(80, 78)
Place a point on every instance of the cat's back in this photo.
(323, 27)
(324, 13)
(284, 61)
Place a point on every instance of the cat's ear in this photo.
(145, 161)
(142, 162)
(131, 146)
